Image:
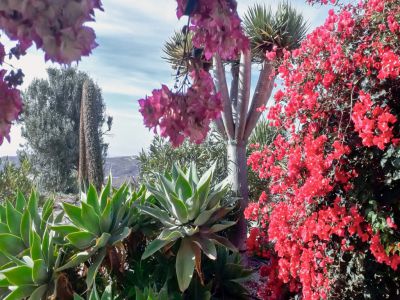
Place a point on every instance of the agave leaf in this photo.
(39, 292)
(119, 197)
(192, 175)
(47, 212)
(203, 187)
(159, 214)
(206, 245)
(94, 295)
(81, 240)
(170, 234)
(183, 188)
(106, 217)
(105, 193)
(219, 214)
(13, 219)
(161, 198)
(74, 214)
(94, 267)
(77, 297)
(204, 216)
(4, 228)
(10, 243)
(153, 247)
(107, 294)
(119, 236)
(222, 241)
(39, 271)
(222, 226)
(21, 292)
(64, 229)
(102, 241)
(20, 202)
(3, 214)
(185, 262)
(92, 199)
(76, 260)
(33, 210)
(25, 227)
(179, 210)
(20, 275)
(90, 219)
(35, 246)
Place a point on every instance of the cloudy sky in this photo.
(127, 65)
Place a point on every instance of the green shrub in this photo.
(15, 178)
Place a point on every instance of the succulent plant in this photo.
(98, 225)
(28, 254)
(191, 211)
(94, 295)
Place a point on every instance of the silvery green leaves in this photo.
(99, 222)
(28, 255)
(191, 211)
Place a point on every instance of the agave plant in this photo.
(285, 28)
(28, 254)
(94, 294)
(191, 211)
(98, 226)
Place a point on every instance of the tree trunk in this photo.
(237, 168)
(82, 172)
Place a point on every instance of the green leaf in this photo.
(222, 226)
(90, 219)
(105, 193)
(170, 235)
(179, 209)
(153, 247)
(92, 198)
(21, 292)
(106, 217)
(20, 202)
(222, 241)
(159, 214)
(81, 240)
(94, 267)
(25, 227)
(183, 188)
(185, 261)
(76, 260)
(64, 229)
(107, 294)
(33, 209)
(119, 236)
(204, 216)
(77, 297)
(73, 213)
(20, 275)
(4, 228)
(203, 187)
(39, 292)
(36, 246)
(207, 246)
(94, 295)
(11, 244)
(13, 219)
(39, 272)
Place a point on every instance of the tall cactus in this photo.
(90, 150)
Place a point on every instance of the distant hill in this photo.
(124, 168)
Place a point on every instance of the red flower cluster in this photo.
(376, 129)
(178, 115)
(216, 27)
(337, 98)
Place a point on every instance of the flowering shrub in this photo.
(216, 27)
(56, 27)
(183, 114)
(334, 170)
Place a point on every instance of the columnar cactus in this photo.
(90, 154)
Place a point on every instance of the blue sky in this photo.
(127, 63)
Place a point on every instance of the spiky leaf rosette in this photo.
(284, 29)
(99, 223)
(28, 254)
(191, 211)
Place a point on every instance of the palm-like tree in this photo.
(284, 29)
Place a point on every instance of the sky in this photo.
(127, 64)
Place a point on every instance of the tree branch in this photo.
(222, 87)
(261, 95)
(244, 93)
(234, 88)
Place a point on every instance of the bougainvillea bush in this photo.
(329, 219)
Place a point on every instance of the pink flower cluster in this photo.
(375, 129)
(57, 27)
(178, 115)
(10, 107)
(217, 27)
